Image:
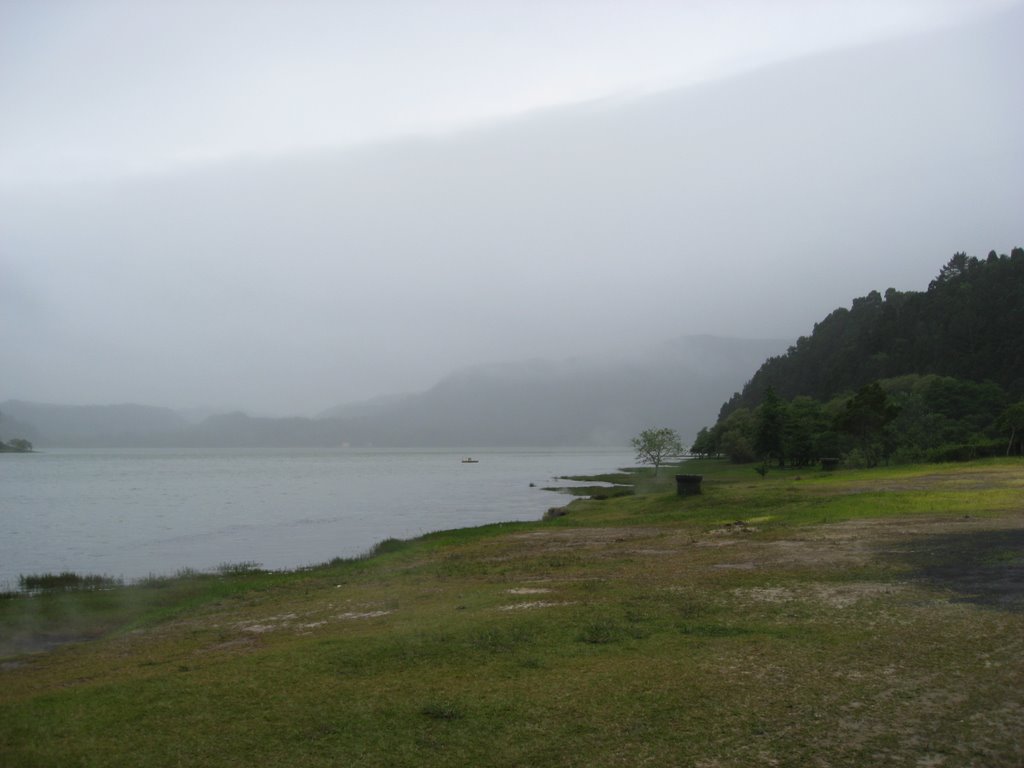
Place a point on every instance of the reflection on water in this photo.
(133, 513)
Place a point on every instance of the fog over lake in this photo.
(241, 206)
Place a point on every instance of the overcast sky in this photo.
(283, 206)
(102, 88)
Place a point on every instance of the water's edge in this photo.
(135, 514)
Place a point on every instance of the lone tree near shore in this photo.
(653, 446)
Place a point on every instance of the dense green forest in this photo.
(906, 376)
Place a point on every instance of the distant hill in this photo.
(968, 324)
(241, 431)
(365, 408)
(47, 424)
(571, 402)
(11, 428)
(534, 403)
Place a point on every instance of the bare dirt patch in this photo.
(532, 605)
(832, 595)
(247, 643)
(748, 565)
(363, 614)
(964, 480)
(729, 529)
(968, 559)
(311, 621)
(586, 537)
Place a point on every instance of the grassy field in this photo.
(855, 618)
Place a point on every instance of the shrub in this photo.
(388, 545)
(66, 580)
(968, 451)
(239, 569)
(908, 454)
(441, 710)
(600, 632)
(856, 459)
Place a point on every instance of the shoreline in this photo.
(82, 582)
(319, 528)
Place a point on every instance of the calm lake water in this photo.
(131, 513)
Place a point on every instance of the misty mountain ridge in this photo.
(86, 424)
(572, 402)
(362, 408)
(759, 201)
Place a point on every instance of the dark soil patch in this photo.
(985, 567)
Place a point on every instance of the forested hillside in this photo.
(935, 374)
(969, 324)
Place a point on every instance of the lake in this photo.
(132, 513)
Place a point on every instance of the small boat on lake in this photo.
(470, 460)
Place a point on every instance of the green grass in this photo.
(855, 618)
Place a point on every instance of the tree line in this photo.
(935, 375)
(906, 419)
(969, 324)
